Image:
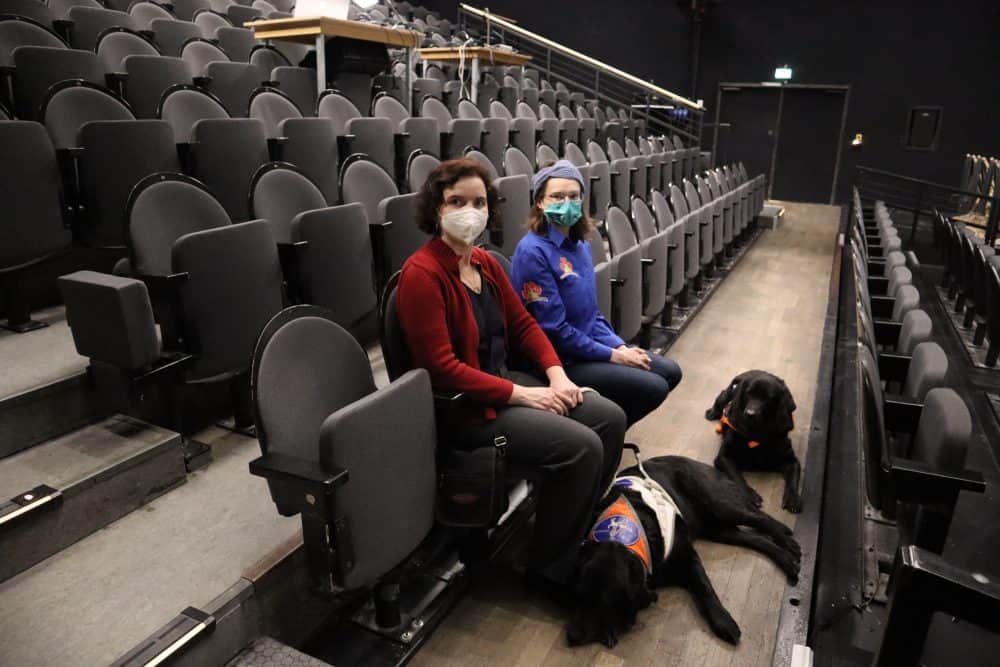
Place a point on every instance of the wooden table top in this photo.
(481, 53)
(305, 29)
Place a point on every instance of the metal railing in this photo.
(921, 199)
(663, 111)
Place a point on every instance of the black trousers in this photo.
(574, 459)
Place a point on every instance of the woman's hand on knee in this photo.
(539, 398)
(630, 356)
(566, 390)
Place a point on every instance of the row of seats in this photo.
(980, 174)
(915, 430)
(971, 282)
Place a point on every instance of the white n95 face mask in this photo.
(465, 224)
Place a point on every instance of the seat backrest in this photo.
(678, 201)
(198, 53)
(38, 68)
(944, 430)
(917, 327)
(928, 369)
(645, 224)
(312, 147)
(32, 224)
(434, 108)
(16, 31)
(395, 350)
(116, 156)
(115, 45)
(873, 437)
(227, 153)
(620, 234)
(484, 161)
(595, 153)
(339, 108)
(516, 163)
(299, 83)
(664, 216)
(600, 189)
(469, 111)
(387, 106)
(185, 10)
(267, 57)
(615, 151)
(907, 298)
(271, 107)
(367, 183)
(145, 12)
(499, 110)
(545, 154)
(171, 35)
(161, 209)
(158, 74)
(280, 191)
(209, 22)
(515, 206)
(573, 153)
(71, 104)
(89, 23)
(418, 168)
(182, 106)
(234, 286)
(526, 111)
(29, 9)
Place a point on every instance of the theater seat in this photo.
(337, 454)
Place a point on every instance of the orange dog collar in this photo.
(724, 423)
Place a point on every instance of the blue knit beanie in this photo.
(561, 169)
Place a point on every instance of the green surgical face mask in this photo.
(565, 214)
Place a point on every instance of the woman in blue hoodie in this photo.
(554, 274)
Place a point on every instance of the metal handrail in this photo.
(597, 80)
(597, 64)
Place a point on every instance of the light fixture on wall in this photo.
(783, 73)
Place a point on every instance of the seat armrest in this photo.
(648, 261)
(169, 365)
(306, 485)
(878, 285)
(165, 284)
(887, 332)
(618, 282)
(876, 266)
(893, 367)
(924, 483)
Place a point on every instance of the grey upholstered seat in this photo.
(113, 47)
(621, 175)
(89, 23)
(240, 14)
(29, 9)
(626, 276)
(185, 10)
(371, 136)
(198, 53)
(145, 12)
(516, 163)
(461, 133)
(278, 193)
(416, 134)
(38, 68)
(17, 31)
(692, 228)
(340, 421)
(656, 246)
(271, 107)
(236, 41)
(233, 287)
(418, 168)
(171, 36)
(183, 105)
(916, 328)
(267, 58)
(157, 74)
(928, 368)
(312, 146)
(116, 156)
(652, 279)
(483, 160)
(234, 83)
(545, 154)
(706, 229)
(69, 105)
(209, 22)
(515, 206)
(226, 155)
(60, 8)
(299, 83)
(32, 226)
(907, 298)
(162, 209)
(573, 153)
(717, 208)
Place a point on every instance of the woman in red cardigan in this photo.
(463, 322)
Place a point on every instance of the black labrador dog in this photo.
(612, 582)
(755, 410)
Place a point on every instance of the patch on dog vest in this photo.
(658, 500)
(619, 523)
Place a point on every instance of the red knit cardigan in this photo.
(436, 315)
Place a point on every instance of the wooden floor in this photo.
(768, 314)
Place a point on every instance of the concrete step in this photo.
(67, 488)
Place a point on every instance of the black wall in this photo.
(894, 54)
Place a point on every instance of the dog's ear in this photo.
(788, 402)
(725, 396)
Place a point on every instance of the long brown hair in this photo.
(538, 224)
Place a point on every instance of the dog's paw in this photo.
(754, 498)
(793, 504)
(725, 628)
(712, 414)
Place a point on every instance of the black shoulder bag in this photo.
(472, 486)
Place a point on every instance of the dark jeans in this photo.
(574, 459)
(637, 391)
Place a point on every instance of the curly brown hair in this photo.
(445, 175)
(538, 224)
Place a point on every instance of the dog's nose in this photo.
(750, 412)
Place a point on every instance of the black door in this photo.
(752, 115)
(807, 144)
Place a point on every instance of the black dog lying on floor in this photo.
(755, 410)
(644, 539)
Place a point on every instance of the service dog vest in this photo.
(620, 523)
